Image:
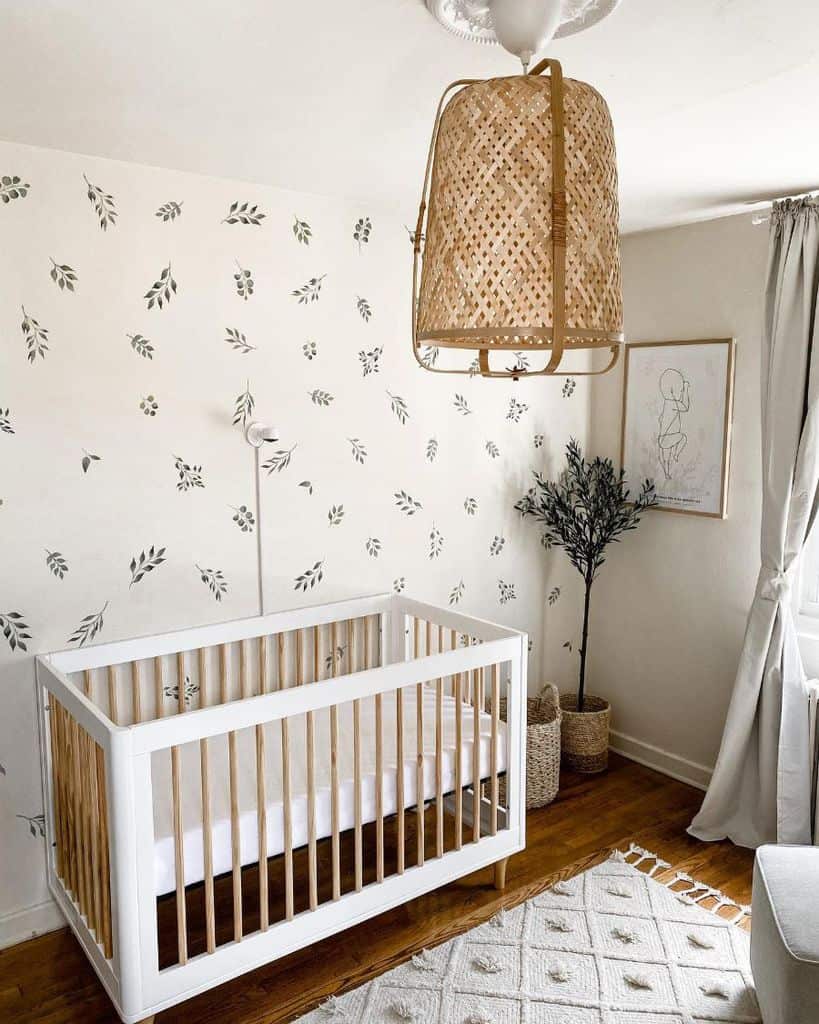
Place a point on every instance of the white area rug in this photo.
(609, 946)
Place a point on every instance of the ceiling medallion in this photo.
(472, 19)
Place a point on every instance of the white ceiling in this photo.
(714, 101)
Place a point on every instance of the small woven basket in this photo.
(542, 747)
(585, 733)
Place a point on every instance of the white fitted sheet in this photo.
(164, 859)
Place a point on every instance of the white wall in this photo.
(669, 609)
(85, 394)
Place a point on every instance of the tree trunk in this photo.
(583, 646)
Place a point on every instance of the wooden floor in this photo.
(48, 980)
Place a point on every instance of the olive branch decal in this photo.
(457, 593)
(89, 627)
(36, 824)
(310, 577)
(538, 440)
(335, 515)
(309, 292)
(302, 231)
(243, 518)
(189, 476)
(399, 407)
(141, 345)
(169, 211)
(470, 506)
(370, 360)
(36, 337)
(161, 291)
(406, 503)
(516, 410)
(399, 585)
(320, 398)
(334, 659)
(359, 450)
(492, 449)
(145, 563)
(429, 355)
(361, 231)
(554, 595)
(15, 630)
(244, 407)
(364, 308)
(11, 187)
(237, 341)
(244, 282)
(496, 545)
(432, 449)
(5, 422)
(214, 580)
(373, 547)
(280, 460)
(506, 592)
(103, 204)
(461, 405)
(87, 459)
(520, 364)
(244, 213)
(63, 276)
(56, 564)
(436, 542)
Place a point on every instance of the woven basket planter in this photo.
(585, 734)
(542, 747)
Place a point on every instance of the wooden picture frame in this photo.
(676, 422)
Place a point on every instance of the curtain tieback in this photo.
(775, 584)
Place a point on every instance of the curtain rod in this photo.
(764, 218)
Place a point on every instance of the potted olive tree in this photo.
(587, 508)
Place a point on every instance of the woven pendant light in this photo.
(516, 248)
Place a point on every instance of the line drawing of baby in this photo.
(671, 439)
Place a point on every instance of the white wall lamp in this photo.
(257, 433)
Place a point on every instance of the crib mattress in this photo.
(191, 794)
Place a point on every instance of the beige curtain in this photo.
(761, 788)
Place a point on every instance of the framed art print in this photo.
(677, 408)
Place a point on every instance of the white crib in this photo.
(219, 797)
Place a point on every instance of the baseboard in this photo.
(24, 924)
(680, 768)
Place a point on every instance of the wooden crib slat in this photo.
(493, 755)
(207, 825)
(178, 825)
(233, 773)
(439, 756)
(261, 796)
(310, 742)
(359, 844)
(113, 709)
(476, 755)
(399, 775)
(419, 751)
(286, 790)
(136, 691)
(105, 857)
(459, 795)
(334, 772)
(84, 755)
(159, 692)
(96, 860)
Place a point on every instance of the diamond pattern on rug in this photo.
(609, 946)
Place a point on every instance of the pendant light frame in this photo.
(557, 338)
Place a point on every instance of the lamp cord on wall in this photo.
(259, 563)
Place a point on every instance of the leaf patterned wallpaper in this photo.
(145, 317)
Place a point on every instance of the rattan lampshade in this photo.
(517, 241)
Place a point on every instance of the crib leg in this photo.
(500, 874)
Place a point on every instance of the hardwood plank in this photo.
(48, 980)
